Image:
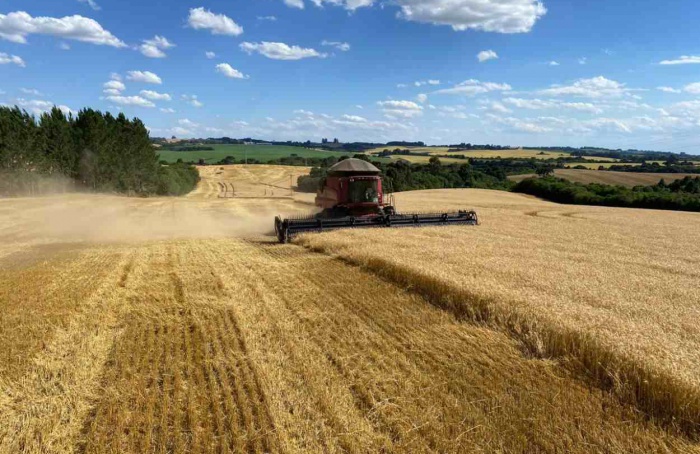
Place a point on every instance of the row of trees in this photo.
(404, 176)
(682, 195)
(91, 150)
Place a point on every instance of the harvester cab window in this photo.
(363, 191)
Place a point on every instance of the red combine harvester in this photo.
(351, 196)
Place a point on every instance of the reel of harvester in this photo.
(285, 229)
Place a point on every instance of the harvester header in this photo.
(352, 196)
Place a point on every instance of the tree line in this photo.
(681, 195)
(90, 151)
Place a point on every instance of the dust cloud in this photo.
(107, 218)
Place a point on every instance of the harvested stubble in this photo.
(231, 346)
(611, 292)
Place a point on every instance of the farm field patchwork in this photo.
(491, 154)
(178, 325)
(629, 179)
(262, 153)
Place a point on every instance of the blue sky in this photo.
(511, 72)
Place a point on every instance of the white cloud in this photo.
(30, 91)
(473, 87)
(146, 77)
(553, 63)
(668, 89)
(114, 86)
(111, 91)
(295, 3)
(178, 131)
(420, 83)
(155, 96)
(91, 3)
(218, 24)
(280, 51)
(154, 48)
(167, 110)
(422, 98)
(268, 18)
(486, 55)
(6, 59)
(692, 88)
(540, 104)
(404, 109)
(188, 123)
(192, 100)
(683, 60)
(401, 85)
(228, 71)
(130, 101)
(37, 106)
(64, 46)
(596, 87)
(582, 61)
(344, 47)
(502, 16)
(354, 118)
(16, 26)
(359, 106)
(210, 55)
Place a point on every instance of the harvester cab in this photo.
(352, 196)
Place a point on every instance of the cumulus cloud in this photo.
(210, 55)
(17, 26)
(683, 60)
(403, 109)
(553, 63)
(341, 46)
(502, 16)
(354, 118)
(422, 98)
(218, 24)
(167, 110)
(596, 87)
(228, 71)
(692, 88)
(146, 77)
(153, 48)
(295, 3)
(192, 100)
(30, 91)
(668, 89)
(37, 106)
(280, 51)
(91, 3)
(473, 87)
(155, 96)
(268, 18)
(486, 55)
(114, 87)
(64, 46)
(130, 101)
(6, 59)
(582, 61)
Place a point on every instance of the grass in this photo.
(262, 153)
(629, 179)
(617, 305)
(175, 325)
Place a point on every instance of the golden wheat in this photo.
(613, 289)
(161, 334)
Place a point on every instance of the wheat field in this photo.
(179, 325)
(611, 291)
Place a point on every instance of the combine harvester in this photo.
(351, 197)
